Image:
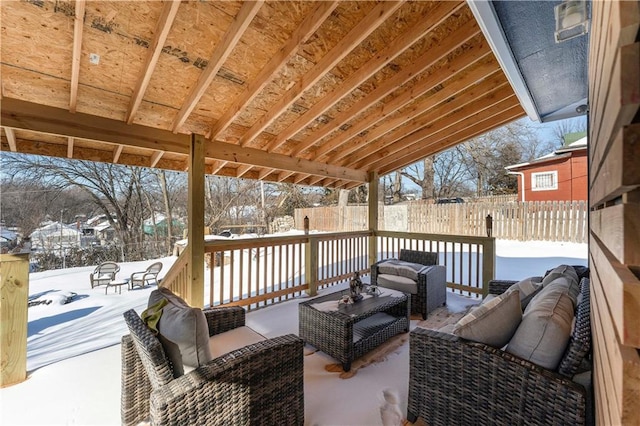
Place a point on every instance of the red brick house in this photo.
(559, 176)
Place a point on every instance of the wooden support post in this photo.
(488, 264)
(311, 265)
(195, 292)
(14, 301)
(373, 216)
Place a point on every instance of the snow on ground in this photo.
(73, 349)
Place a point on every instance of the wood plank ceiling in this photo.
(316, 93)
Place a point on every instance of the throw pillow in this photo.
(528, 288)
(492, 323)
(560, 271)
(543, 334)
(183, 332)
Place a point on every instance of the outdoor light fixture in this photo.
(571, 19)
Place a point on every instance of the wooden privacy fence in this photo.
(533, 220)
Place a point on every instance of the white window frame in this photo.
(554, 187)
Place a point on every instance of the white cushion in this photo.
(239, 337)
(492, 323)
(397, 282)
(543, 334)
(183, 332)
(400, 268)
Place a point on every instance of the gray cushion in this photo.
(492, 322)
(396, 282)
(183, 332)
(544, 331)
(561, 271)
(528, 288)
(400, 268)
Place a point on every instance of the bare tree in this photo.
(115, 190)
(422, 175)
(564, 127)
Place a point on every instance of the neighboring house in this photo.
(55, 236)
(558, 176)
(177, 226)
(8, 239)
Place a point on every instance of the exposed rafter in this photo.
(155, 157)
(431, 57)
(70, 147)
(309, 26)
(78, 23)
(394, 49)
(163, 26)
(11, 138)
(222, 51)
(360, 32)
(116, 153)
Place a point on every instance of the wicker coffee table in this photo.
(348, 331)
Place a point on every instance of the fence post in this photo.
(488, 264)
(14, 297)
(311, 265)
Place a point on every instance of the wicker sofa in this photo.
(454, 381)
(417, 273)
(261, 383)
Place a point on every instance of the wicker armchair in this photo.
(431, 286)
(104, 274)
(146, 277)
(453, 381)
(261, 383)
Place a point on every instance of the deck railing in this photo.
(255, 272)
(470, 261)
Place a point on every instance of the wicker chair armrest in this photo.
(224, 318)
(500, 286)
(450, 376)
(374, 271)
(261, 383)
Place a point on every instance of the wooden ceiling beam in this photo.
(11, 138)
(307, 28)
(163, 26)
(255, 157)
(423, 63)
(440, 129)
(315, 179)
(238, 26)
(116, 153)
(78, 24)
(155, 158)
(243, 169)
(455, 66)
(56, 121)
(450, 140)
(394, 49)
(490, 76)
(70, 147)
(284, 175)
(356, 36)
(429, 111)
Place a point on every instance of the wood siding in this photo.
(614, 182)
(572, 179)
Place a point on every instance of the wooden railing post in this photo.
(195, 271)
(311, 265)
(14, 301)
(488, 264)
(373, 217)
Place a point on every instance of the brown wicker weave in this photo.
(431, 294)
(457, 382)
(261, 383)
(354, 329)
